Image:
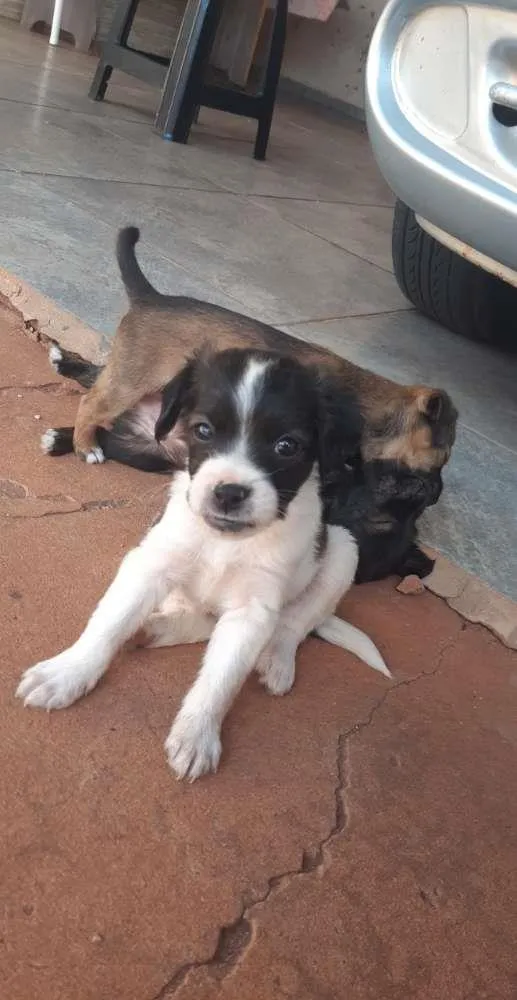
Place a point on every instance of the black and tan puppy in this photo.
(406, 439)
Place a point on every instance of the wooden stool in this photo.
(181, 100)
(185, 78)
(117, 54)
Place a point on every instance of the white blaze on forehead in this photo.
(248, 391)
(235, 463)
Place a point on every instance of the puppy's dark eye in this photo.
(202, 431)
(286, 447)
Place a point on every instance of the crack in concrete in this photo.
(105, 504)
(407, 682)
(80, 508)
(53, 388)
(234, 939)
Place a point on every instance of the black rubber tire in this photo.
(449, 289)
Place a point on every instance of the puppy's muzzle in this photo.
(228, 508)
(228, 498)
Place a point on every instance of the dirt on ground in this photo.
(359, 841)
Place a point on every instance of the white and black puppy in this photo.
(241, 555)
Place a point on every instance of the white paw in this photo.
(193, 746)
(55, 356)
(95, 456)
(276, 669)
(48, 440)
(57, 683)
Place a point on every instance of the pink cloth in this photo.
(316, 10)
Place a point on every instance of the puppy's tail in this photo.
(340, 633)
(138, 288)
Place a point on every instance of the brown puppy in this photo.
(413, 425)
(408, 431)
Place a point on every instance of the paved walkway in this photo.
(358, 842)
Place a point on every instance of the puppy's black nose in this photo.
(229, 496)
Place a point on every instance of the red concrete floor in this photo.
(359, 841)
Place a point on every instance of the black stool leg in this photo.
(100, 82)
(262, 138)
(190, 104)
(118, 35)
(274, 66)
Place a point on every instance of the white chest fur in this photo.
(221, 571)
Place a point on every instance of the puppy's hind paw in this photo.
(276, 669)
(57, 441)
(48, 440)
(55, 356)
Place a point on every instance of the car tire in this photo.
(449, 289)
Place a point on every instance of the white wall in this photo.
(329, 57)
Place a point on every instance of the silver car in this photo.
(441, 86)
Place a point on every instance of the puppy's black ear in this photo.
(437, 406)
(175, 397)
(340, 429)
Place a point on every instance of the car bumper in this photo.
(431, 123)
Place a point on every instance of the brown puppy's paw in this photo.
(55, 356)
(85, 444)
(58, 441)
(95, 456)
(91, 454)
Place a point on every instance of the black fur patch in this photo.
(381, 511)
(123, 443)
(322, 540)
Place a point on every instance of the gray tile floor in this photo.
(302, 241)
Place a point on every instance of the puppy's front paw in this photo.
(276, 669)
(193, 746)
(56, 683)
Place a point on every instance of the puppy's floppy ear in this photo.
(340, 429)
(437, 406)
(175, 396)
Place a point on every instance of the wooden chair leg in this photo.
(274, 65)
(99, 84)
(190, 104)
(118, 34)
(262, 137)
